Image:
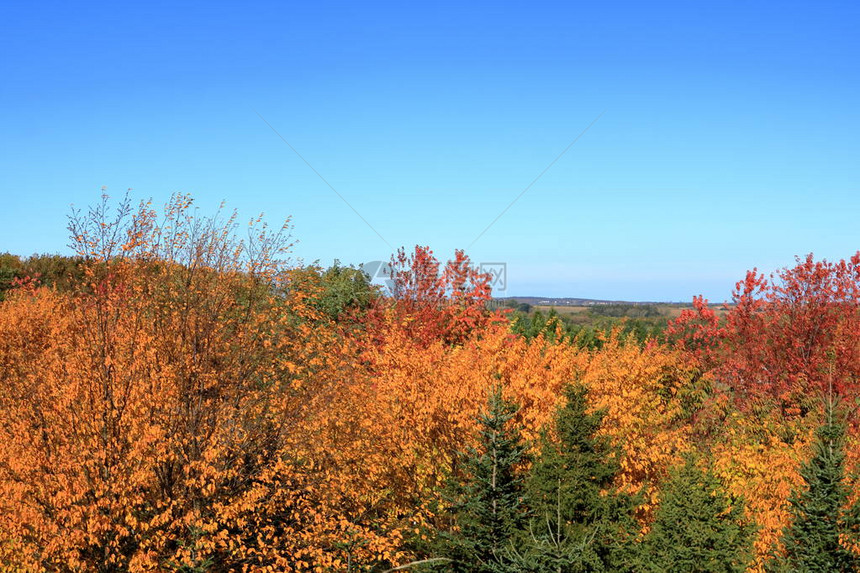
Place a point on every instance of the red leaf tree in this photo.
(435, 302)
(789, 337)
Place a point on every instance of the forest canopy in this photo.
(178, 395)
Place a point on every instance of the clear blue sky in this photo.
(730, 138)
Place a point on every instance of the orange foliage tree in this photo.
(150, 416)
(758, 459)
(650, 397)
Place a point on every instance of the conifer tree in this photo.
(488, 507)
(819, 516)
(578, 522)
(698, 527)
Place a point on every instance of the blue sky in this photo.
(728, 140)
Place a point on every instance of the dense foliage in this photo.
(179, 396)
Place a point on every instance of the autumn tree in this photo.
(152, 414)
(650, 397)
(783, 334)
(434, 301)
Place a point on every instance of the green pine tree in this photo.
(819, 515)
(698, 527)
(575, 526)
(488, 506)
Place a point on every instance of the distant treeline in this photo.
(49, 270)
(636, 323)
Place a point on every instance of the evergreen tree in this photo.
(698, 527)
(488, 507)
(819, 515)
(575, 526)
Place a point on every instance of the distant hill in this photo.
(571, 301)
